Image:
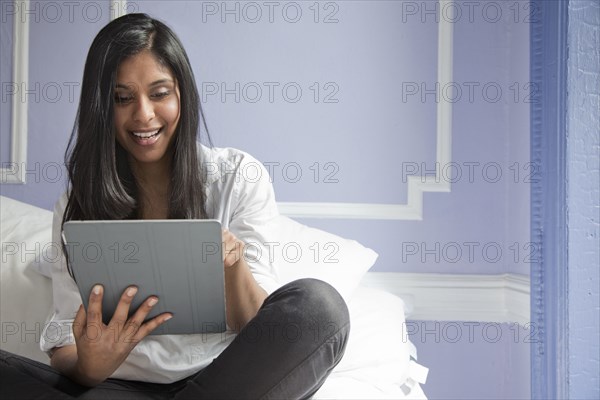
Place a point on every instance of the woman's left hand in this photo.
(233, 249)
(243, 295)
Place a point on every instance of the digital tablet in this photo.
(179, 261)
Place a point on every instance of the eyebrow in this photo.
(153, 84)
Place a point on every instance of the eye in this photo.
(160, 95)
(123, 99)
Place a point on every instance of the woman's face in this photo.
(146, 108)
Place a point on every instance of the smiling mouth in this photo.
(146, 135)
(146, 138)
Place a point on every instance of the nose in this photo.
(144, 112)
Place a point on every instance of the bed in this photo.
(379, 363)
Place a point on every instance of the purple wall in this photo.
(376, 131)
(583, 193)
(59, 35)
(473, 360)
(362, 121)
(362, 57)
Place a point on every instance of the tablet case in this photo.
(179, 261)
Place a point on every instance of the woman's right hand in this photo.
(101, 348)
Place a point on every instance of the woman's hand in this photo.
(243, 295)
(233, 249)
(101, 348)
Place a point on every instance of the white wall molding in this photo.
(417, 185)
(15, 171)
(502, 298)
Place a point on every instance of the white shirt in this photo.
(240, 195)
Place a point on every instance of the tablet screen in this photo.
(179, 261)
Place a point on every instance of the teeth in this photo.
(145, 135)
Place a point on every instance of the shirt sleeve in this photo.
(58, 330)
(253, 219)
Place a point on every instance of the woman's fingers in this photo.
(136, 329)
(230, 258)
(122, 312)
(145, 329)
(232, 248)
(94, 311)
(79, 322)
(129, 330)
(137, 320)
(225, 239)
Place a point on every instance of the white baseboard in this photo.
(500, 298)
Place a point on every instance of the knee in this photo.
(318, 303)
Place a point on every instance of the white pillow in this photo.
(305, 252)
(378, 336)
(25, 296)
(377, 361)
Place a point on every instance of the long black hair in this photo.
(102, 185)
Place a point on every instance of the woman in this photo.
(134, 154)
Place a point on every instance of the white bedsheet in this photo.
(380, 361)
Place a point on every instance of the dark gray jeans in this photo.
(285, 352)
